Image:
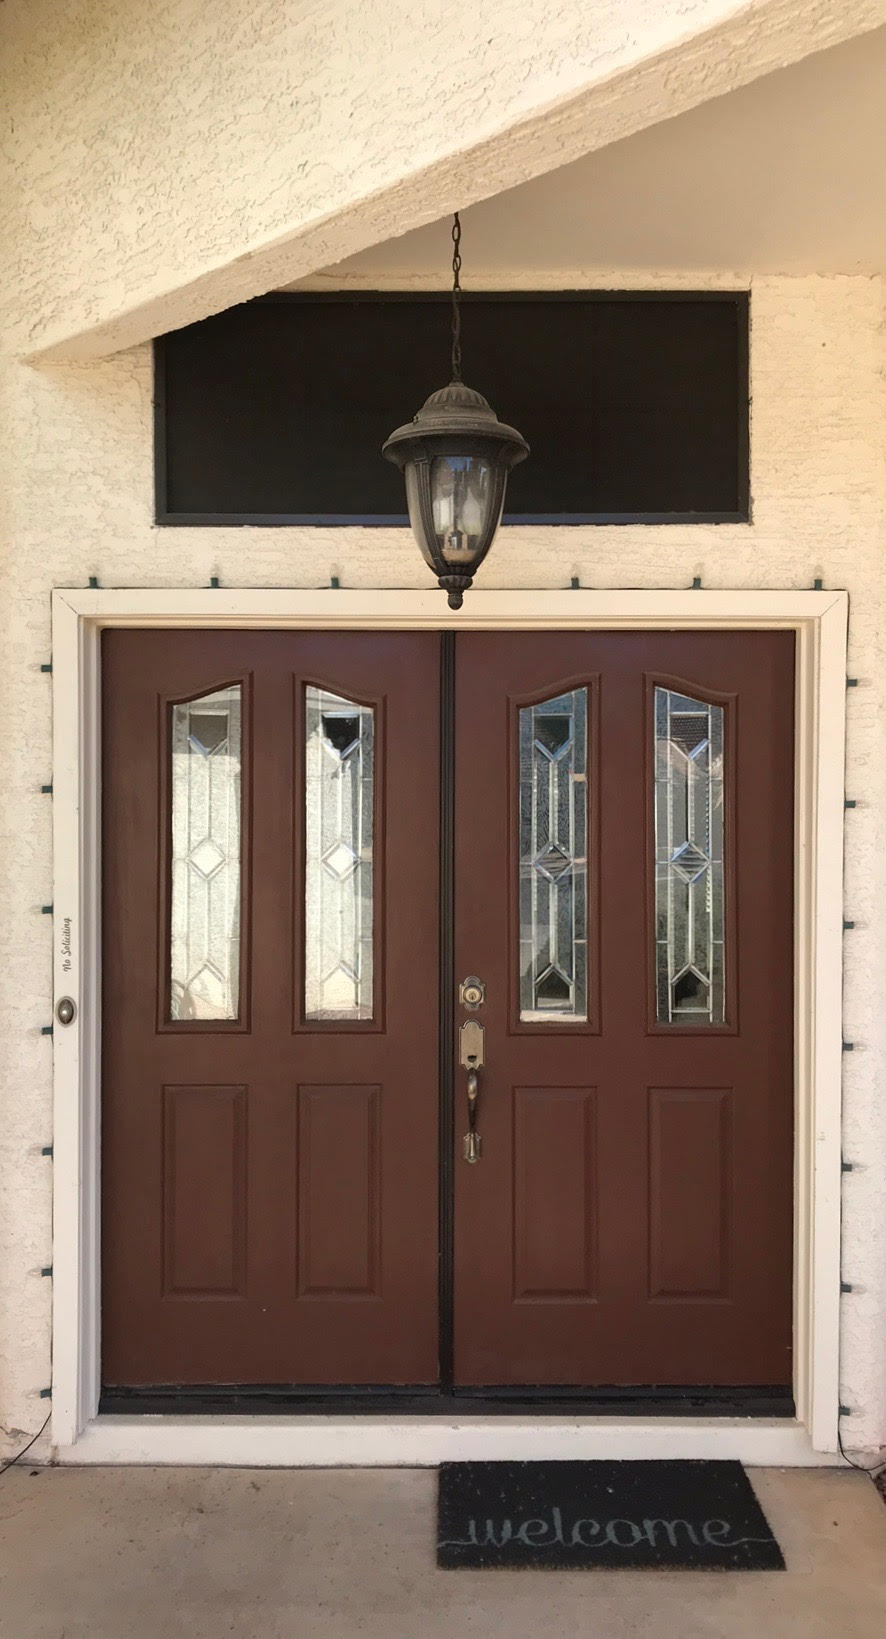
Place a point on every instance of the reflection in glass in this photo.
(339, 801)
(205, 906)
(553, 858)
(462, 491)
(689, 891)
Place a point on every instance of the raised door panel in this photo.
(554, 1194)
(690, 1192)
(204, 1191)
(339, 1185)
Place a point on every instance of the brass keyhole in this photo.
(472, 993)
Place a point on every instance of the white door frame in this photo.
(79, 1434)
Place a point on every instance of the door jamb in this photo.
(820, 620)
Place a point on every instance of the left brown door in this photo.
(269, 1127)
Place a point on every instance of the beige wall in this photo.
(784, 176)
(78, 502)
(163, 161)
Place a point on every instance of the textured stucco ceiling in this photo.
(783, 176)
(160, 163)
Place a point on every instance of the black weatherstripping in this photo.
(635, 404)
(257, 1399)
(446, 1182)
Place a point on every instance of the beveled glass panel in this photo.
(206, 862)
(689, 884)
(339, 815)
(554, 859)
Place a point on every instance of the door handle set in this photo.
(472, 1053)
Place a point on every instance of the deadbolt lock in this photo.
(472, 993)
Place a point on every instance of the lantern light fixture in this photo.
(455, 455)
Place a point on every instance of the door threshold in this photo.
(338, 1440)
(239, 1400)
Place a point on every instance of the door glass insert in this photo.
(689, 890)
(339, 810)
(553, 858)
(206, 856)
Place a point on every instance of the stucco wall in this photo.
(78, 502)
(165, 161)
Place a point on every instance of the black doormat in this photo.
(608, 1516)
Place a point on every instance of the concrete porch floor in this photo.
(293, 1554)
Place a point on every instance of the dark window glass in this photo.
(634, 406)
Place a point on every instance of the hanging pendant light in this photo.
(456, 456)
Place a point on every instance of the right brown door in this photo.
(624, 869)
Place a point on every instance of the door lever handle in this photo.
(472, 1040)
(472, 1143)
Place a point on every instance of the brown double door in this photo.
(311, 840)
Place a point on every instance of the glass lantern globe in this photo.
(455, 455)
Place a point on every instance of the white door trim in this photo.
(79, 1434)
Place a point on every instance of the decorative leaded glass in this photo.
(206, 869)
(339, 804)
(689, 892)
(553, 858)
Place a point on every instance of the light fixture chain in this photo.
(456, 295)
(456, 456)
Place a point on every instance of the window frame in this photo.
(557, 1024)
(729, 703)
(166, 704)
(329, 1023)
(739, 299)
(302, 1023)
